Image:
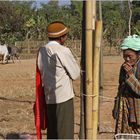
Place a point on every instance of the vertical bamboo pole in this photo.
(98, 36)
(88, 69)
(101, 53)
(93, 17)
(93, 20)
(101, 76)
(82, 132)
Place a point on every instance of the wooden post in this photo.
(89, 81)
(82, 133)
(101, 75)
(101, 53)
(98, 36)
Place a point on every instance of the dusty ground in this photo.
(17, 95)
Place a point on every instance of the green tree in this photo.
(135, 17)
(13, 15)
(76, 19)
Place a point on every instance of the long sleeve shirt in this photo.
(134, 83)
(58, 68)
(133, 80)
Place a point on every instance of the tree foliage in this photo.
(22, 20)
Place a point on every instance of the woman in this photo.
(128, 119)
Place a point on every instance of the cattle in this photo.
(4, 53)
(14, 52)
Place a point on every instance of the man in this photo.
(58, 68)
(128, 120)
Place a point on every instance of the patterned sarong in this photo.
(124, 125)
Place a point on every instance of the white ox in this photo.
(4, 52)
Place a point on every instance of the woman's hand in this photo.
(128, 68)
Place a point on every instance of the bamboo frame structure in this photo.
(101, 53)
(96, 67)
(89, 81)
(101, 75)
(82, 83)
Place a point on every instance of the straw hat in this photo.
(57, 29)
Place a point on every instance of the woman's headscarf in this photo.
(131, 42)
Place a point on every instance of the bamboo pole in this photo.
(96, 65)
(89, 81)
(93, 16)
(101, 53)
(101, 76)
(82, 83)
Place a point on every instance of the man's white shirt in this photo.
(58, 68)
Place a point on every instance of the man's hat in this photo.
(56, 29)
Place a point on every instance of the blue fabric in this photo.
(131, 42)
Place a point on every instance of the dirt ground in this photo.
(17, 95)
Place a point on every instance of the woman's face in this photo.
(130, 56)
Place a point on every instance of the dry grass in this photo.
(17, 95)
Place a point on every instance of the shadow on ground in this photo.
(24, 136)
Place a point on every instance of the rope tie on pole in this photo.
(82, 71)
(104, 97)
(89, 81)
(90, 95)
(109, 98)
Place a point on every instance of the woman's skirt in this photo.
(123, 124)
